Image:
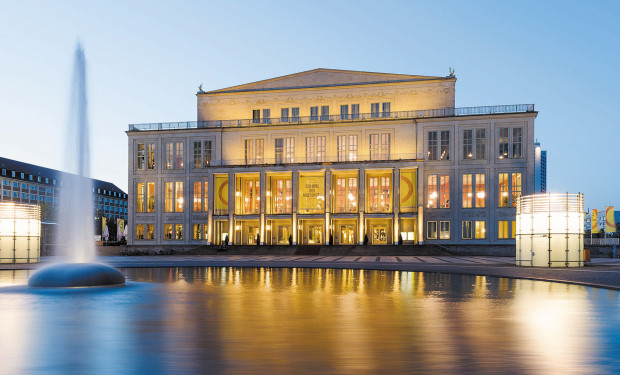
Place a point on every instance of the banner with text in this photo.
(610, 221)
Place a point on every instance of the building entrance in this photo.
(379, 234)
(347, 234)
(312, 232)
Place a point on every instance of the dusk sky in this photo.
(146, 60)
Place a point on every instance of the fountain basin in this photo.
(76, 275)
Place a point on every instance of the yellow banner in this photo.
(408, 191)
(610, 221)
(594, 220)
(221, 194)
(311, 194)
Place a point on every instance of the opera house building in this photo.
(332, 157)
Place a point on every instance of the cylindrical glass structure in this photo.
(20, 233)
(550, 230)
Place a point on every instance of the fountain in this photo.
(76, 210)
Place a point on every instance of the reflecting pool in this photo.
(260, 320)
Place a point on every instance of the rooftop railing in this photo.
(373, 116)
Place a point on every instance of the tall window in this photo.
(256, 116)
(285, 150)
(325, 113)
(444, 191)
(386, 109)
(145, 156)
(140, 195)
(198, 231)
(173, 231)
(502, 230)
(355, 111)
(346, 194)
(347, 147)
(380, 193)
(200, 196)
(380, 146)
(431, 230)
(139, 231)
(253, 151)
(248, 195)
(315, 149)
(280, 195)
(480, 230)
(510, 143)
(466, 231)
(439, 197)
(473, 194)
(439, 150)
(173, 197)
(203, 152)
(374, 110)
(474, 144)
(314, 113)
(295, 114)
(444, 230)
(510, 189)
(468, 194)
(174, 155)
(284, 115)
(344, 112)
(266, 116)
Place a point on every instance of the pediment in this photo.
(323, 78)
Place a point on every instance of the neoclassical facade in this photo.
(332, 156)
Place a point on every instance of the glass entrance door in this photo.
(347, 234)
(379, 234)
(315, 234)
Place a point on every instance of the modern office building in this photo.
(332, 156)
(29, 183)
(540, 169)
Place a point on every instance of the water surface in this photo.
(259, 320)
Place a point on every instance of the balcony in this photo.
(318, 119)
(315, 160)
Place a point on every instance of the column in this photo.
(232, 197)
(361, 203)
(328, 198)
(396, 202)
(263, 202)
(295, 193)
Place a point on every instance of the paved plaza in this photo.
(603, 272)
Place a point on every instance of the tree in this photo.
(48, 213)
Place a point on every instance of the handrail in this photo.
(373, 116)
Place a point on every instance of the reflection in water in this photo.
(258, 320)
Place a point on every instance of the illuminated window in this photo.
(474, 144)
(139, 231)
(480, 230)
(284, 150)
(168, 232)
(466, 232)
(514, 229)
(197, 203)
(311, 194)
(140, 193)
(467, 191)
(380, 146)
(279, 194)
(444, 230)
(510, 189)
(254, 151)
(197, 232)
(502, 229)
(247, 196)
(178, 231)
(444, 192)
(510, 143)
(150, 232)
(480, 190)
(347, 147)
(173, 197)
(431, 230)
(315, 149)
(346, 194)
(380, 192)
(432, 194)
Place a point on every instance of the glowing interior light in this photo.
(268, 227)
(238, 193)
(236, 227)
(480, 194)
(434, 195)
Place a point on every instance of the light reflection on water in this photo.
(262, 320)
